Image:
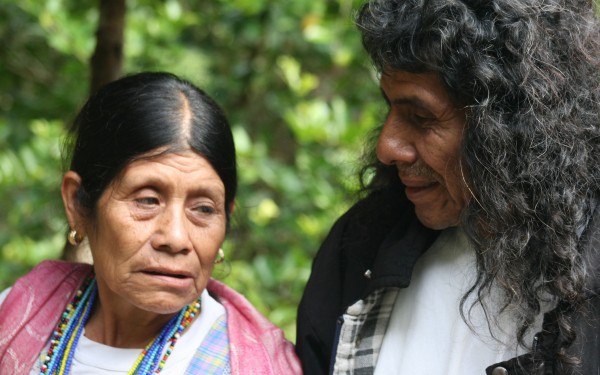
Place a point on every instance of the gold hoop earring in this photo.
(220, 256)
(73, 238)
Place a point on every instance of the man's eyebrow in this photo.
(412, 100)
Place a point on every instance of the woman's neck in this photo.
(123, 325)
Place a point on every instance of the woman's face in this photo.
(156, 232)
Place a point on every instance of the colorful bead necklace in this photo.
(70, 326)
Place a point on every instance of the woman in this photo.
(151, 187)
(477, 247)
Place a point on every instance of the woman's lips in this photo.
(167, 272)
(170, 278)
(176, 275)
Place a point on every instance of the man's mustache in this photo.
(416, 169)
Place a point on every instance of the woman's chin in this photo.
(164, 304)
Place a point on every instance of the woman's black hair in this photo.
(152, 111)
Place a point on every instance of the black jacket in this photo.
(381, 234)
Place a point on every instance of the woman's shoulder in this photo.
(57, 269)
(4, 294)
(50, 274)
(47, 284)
(255, 341)
(238, 306)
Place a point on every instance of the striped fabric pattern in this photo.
(212, 356)
(362, 333)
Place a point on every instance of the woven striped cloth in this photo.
(212, 356)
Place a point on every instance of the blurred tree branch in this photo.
(106, 66)
(107, 60)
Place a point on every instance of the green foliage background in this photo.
(299, 92)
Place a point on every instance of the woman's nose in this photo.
(395, 145)
(172, 233)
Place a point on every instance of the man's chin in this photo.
(437, 222)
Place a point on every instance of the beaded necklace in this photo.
(70, 326)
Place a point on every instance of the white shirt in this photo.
(426, 334)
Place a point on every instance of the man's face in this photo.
(422, 136)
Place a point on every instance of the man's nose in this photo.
(395, 144)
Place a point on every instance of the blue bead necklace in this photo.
(70, 327)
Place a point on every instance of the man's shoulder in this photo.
(374, 215)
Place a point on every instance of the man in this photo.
(476, 248)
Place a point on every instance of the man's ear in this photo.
(71, 183)
(231, 207)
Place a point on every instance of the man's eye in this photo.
(420, 120)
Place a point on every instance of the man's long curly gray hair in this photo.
(528, 74)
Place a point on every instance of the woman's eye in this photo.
(204, 209)
(147, 201)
